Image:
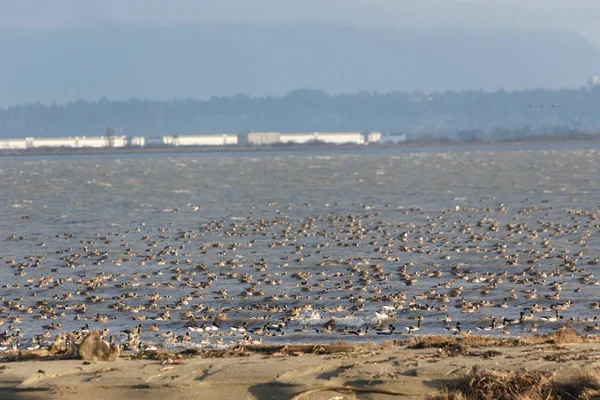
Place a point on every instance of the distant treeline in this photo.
(558, 134)
(467, 115)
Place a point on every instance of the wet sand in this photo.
(415, 373)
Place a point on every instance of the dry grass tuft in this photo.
(584, 385)
(567, 336)
(456, 345)
(448, 395)
(524, 385)
(560, 336)
(509, 385)
(502, 385)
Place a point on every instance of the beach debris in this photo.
(94, 348)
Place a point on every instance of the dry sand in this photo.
(412, 372)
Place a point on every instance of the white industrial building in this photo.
(101, 141)
(71, 142)
(79, 142)
(341, 137)
(269, 138)
(325, 137)
(53, 142)
(373, 137)
(91, 142)
(139, 141)
(254, 138)
(263, 138)
(298, 137)
(200, 140)
(13, 143)
(118, 141)
(393, 138)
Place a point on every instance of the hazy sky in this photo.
(28, 75)
(577, 15)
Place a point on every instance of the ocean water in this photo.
(358, 237)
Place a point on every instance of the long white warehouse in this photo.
(101, 141)
(326, 137)
(77, 142)
(262, 138)
(254, 138)
(200, 140)
(14, 143)
(139, 141)
(53, 142)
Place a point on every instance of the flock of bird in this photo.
(287, 277)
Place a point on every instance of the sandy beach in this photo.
(299, 372)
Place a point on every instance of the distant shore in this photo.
(288, 147)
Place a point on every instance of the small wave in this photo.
(353, 321)
(311, 318)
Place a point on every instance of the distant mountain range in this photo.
(151, 62)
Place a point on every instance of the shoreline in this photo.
(560, 336)
(421, 369)
(283, 148)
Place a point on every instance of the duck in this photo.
(184, 338)
(501, 325)
(417, 328)
(326, 330)
(386, 331)
(528, 317)
(360, 332)
(212, 327)
(135, 331)
(200, 328)
(551, 318)
(516, 320)
(278, 325)
(240, 328)
(532, 328)
(456, 329)
(101, 318)
(490, 327)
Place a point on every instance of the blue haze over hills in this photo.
(143, 61)
(341, 66)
